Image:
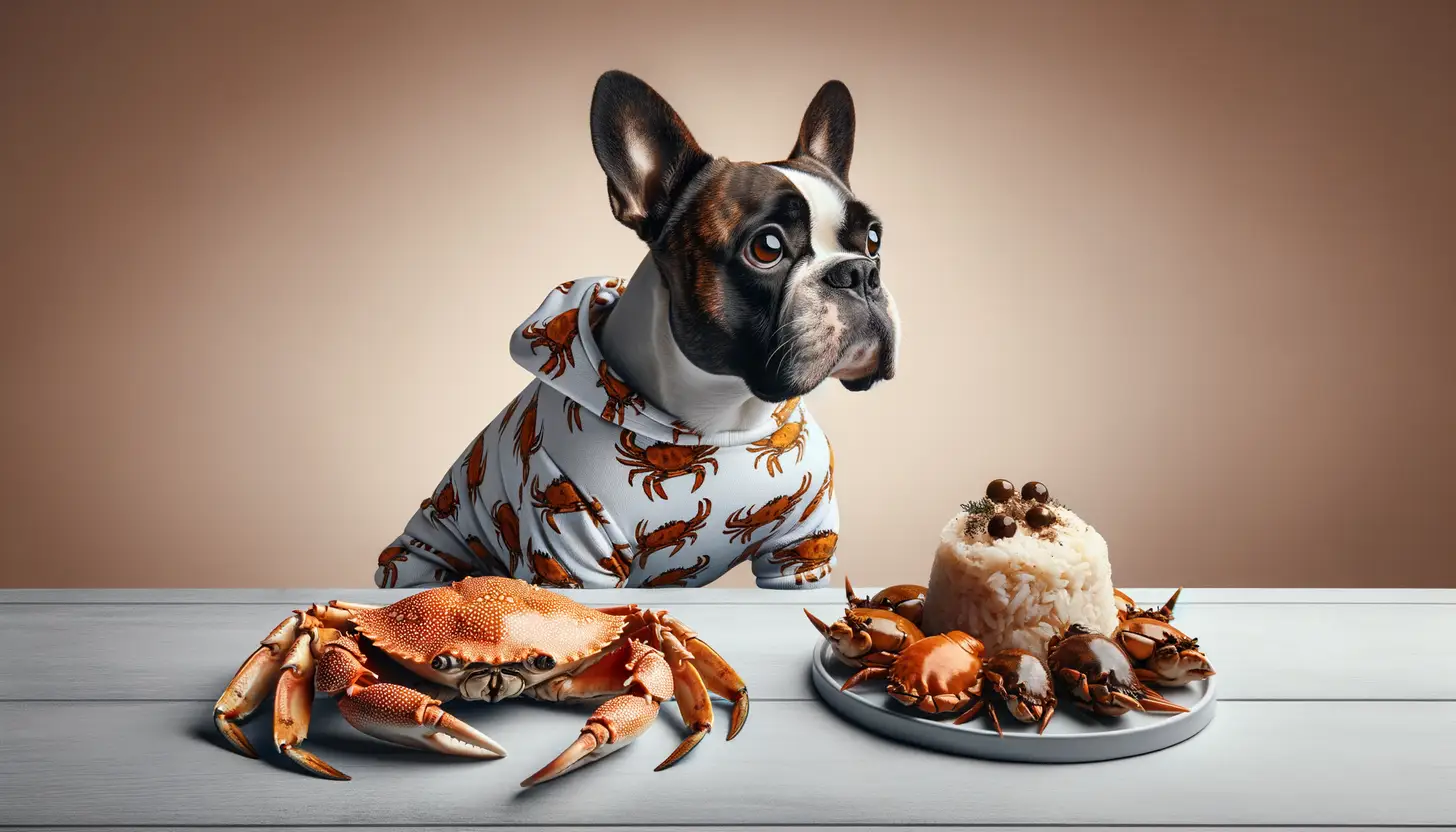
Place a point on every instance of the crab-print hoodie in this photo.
(580, 482)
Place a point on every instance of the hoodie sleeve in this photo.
(443, 540)
(804, 555)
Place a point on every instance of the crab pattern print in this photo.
(580, 482)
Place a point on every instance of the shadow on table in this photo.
(333, 739)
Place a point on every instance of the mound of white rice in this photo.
(1021, 590)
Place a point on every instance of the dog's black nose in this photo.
(862, 276)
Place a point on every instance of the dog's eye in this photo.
(766, 248)
(872, 241)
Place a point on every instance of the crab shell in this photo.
(1024, 683)
(939, 673)
(497, 621)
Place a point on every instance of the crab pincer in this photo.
(1162, 655)
(867, 637)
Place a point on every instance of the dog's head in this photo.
(773, 269)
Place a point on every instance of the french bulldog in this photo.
(664, 438)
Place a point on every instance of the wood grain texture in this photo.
(1304, 651)
(673, 596)
(1260, 763)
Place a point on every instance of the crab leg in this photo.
(293, 708)
(619, 720)
(1154, 701)
(692, 695)
(252, 683)
(973, 711)
(714, 670)
(864, 675)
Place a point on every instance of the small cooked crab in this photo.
(938, 674)
(488, 639)
(1162, 654)
(1128, 608)
(1100, 675)
(868, 637)
(1022, 681)
(906, 600)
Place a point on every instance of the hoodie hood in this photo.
(557, 344)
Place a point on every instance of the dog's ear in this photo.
(645, 150)
(827, 133)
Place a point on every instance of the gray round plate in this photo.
(1073, 736)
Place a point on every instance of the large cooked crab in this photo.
(479, 639)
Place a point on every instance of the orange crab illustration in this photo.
(782, 413)
(444, 502)
(743, 522)
(479, 639)
(790, 437)
(556, 336)
(619, 563)
(549, 571)
(661, 461)
(505, 417)
(620, 397)
(678, 576)
(807, 557)
(389, 559)
(748, 553)
(572, 409)
(674, 535)
(561, 497)
(826, 489)
(457, 565)
(474, 466)
(528, 437)
(681, 429)
(454, 563)
(508, 529)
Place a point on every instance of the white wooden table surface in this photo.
(1337, 708)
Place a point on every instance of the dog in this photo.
(664, 439)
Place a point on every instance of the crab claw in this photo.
(400, 715)
(1168, 607)
(1046, 717)
(818, 625)
(1154, 701)
(617, 722)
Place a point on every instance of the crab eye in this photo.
(445, 663)
(543, 662)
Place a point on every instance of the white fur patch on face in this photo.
(822, 338)
(826, 213)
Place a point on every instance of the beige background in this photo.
(1189, 264)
